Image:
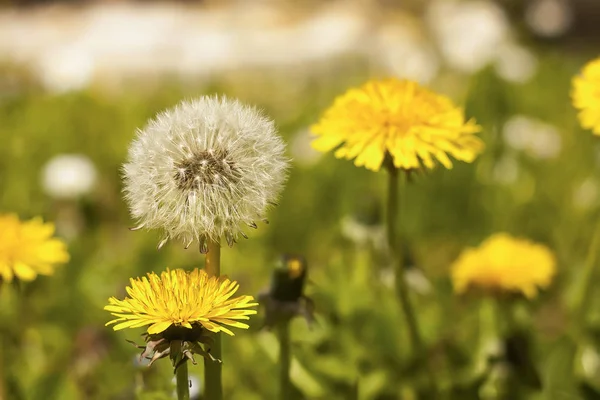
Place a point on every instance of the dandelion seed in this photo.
(27, 249)
(202, 169)
(504, 263)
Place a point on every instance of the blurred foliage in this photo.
(54, 344)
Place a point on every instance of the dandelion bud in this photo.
(204, 169)
(285, 298)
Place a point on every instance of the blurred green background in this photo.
(538, 178)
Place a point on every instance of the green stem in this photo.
(3, 372)
(212, 369)
(183, 383)
(504, 312)
(285, 359)
(583, 301)
(400, 277)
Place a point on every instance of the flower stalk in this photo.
(282, 302)
(212, 369)
(285, 359)
(583, 299)
(401, 285)
(400, 279)
(181, 375)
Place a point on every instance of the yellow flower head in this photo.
(505, 263)
(183, 299)
(411, 123)
(586, 96)
(27, 249)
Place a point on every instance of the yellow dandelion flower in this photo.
(181, 299)
(413, 124)
(505, 263)
(27, 249)
(586, 96)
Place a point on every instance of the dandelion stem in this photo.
(213, 259)
(181, 376)
(283, 334)
(400, 278)
(212, 369)
(588, 281)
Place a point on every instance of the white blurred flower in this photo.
(68, 176)
(516, 132)
(363, 234)
(549, 18)
(202, 168)
(469, 33)
(506, 170)
(417, 281)
(301, 150)
(516, 63)
(65, 68)
(405, 55)
(547, 143)
(537, 138)
(585, 195)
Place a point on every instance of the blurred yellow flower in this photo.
(411, 123)
(586, 96)
(27, 249)
(181, 299)
(503, 262)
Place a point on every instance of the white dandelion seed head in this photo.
(200, 170)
